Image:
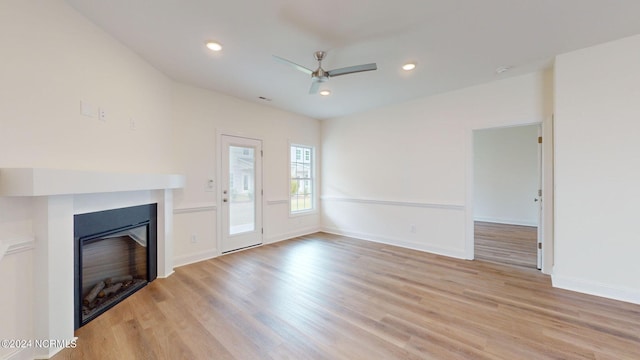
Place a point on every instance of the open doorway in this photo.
(506, 212)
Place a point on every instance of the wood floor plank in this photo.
(325, 296)
(506, 244)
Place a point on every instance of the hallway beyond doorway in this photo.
(506, 244)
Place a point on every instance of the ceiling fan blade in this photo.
(315, 85)
(291, 63)
(352, 69)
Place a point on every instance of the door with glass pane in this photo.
(241, 193)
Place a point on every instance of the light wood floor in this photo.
(506, 244)
(330, 297)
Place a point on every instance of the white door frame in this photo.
(220, 196)
(538, 199)
(548, 155)
(547, 192)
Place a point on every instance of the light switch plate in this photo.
(210, 185)
(87, 109)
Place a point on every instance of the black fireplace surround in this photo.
(115, 255)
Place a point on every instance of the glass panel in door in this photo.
(242, 186)
(241, 193)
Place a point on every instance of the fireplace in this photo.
(115, 255)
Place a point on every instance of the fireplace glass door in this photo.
(116, 255)
(113, 266)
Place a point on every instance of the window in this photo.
(301, 189)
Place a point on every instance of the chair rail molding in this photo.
(429, 205)
(193, 208)
(14, 246)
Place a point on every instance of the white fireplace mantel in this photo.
(48, 182)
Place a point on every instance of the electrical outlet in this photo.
(412, 228)
(102, 114)
(194, 239)
(132, 124)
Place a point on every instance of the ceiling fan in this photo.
(320, 75)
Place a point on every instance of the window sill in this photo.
(303, 213)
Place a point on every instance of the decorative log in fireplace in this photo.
(115, 255)
(111, 290)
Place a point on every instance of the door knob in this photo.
(224, 200)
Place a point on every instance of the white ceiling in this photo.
(456, 43)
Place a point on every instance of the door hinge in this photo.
(539, 139)
(261, 153)
(539, 192)
(262, 230)
(261, 191)
(540, 246)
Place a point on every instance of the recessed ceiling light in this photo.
(214, 46)
(408, 66)
(325, 92)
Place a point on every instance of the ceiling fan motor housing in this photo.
(320, 75)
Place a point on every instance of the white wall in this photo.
(408, 167)
(53, 58)
(597, 175)
(16, 298)
(506, 175)
(201, 115)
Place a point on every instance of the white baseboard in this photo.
(290, 235)
(166, 276)
(595, 288)
(507, 221)
(458, 254)
(183, 260)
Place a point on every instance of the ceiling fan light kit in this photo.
(321, 75)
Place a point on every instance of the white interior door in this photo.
(241, 192)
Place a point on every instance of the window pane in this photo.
(301, 172)
(306, 171)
